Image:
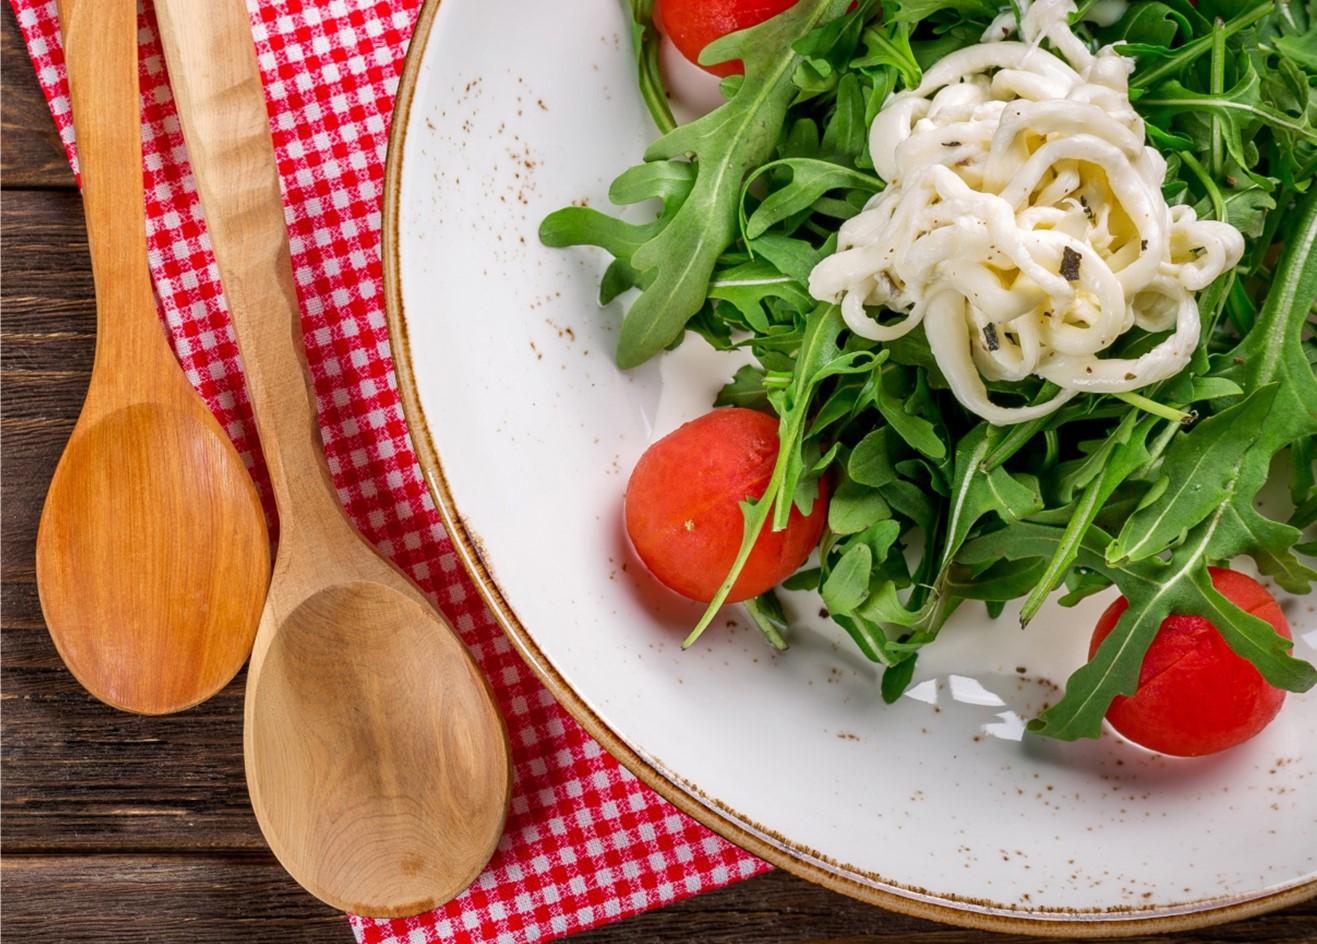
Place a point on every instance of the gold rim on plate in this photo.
(717, 816)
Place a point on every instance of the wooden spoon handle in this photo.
(221, 105)
(100, 54)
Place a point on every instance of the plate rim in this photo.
(709, 812)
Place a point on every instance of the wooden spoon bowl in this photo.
(150, 574)
(394, 813)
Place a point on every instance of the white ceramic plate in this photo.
(936, 805)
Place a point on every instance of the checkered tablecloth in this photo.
(586, 843)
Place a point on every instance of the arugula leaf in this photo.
(914, 429)
(1245, 207)
(1200, 468)
(750, 286)
(1155, 589)
(670, 182)
(1272, 353)
(870, 461)
(846, 137)
(1171, 64)
(975, 493)
(826, 50)
(1297, 42)
(746, 388)
(913, 11)
(1121, 455)
(890, 48)
(854, 507)
(848, 583)
(1152, 23)
(674, 257)
(767, 614)
(896, 679)
(810, 180)
(727, 144)
(1237, 110)
(999, 582)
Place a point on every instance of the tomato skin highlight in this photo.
(1195, 695)
(693, 24)
(683, 510)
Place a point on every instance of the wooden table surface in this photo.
(127, 829)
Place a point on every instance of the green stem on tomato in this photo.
(647, 43)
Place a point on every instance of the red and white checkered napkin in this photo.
(586, 842)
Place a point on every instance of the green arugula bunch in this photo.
(930, 506)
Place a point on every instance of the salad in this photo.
(1030, 295)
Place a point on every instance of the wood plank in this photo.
(31, 154)
(199, 899)
(80, 776)
(227, 898)
(48, 334)
(47, 290)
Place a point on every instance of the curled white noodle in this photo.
(1023, 223)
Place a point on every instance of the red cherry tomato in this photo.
(1195, 695)
(683, 507)
(693, 24)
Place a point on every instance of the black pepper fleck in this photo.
(1070, 261)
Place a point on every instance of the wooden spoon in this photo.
(152, 553)
(376, 758)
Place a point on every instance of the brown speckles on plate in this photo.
(564, 331)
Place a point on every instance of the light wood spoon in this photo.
(376, 758)
(152, 554)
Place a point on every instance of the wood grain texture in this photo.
(152, 556)
(199, 899)
(124, 828)
(377, 762)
